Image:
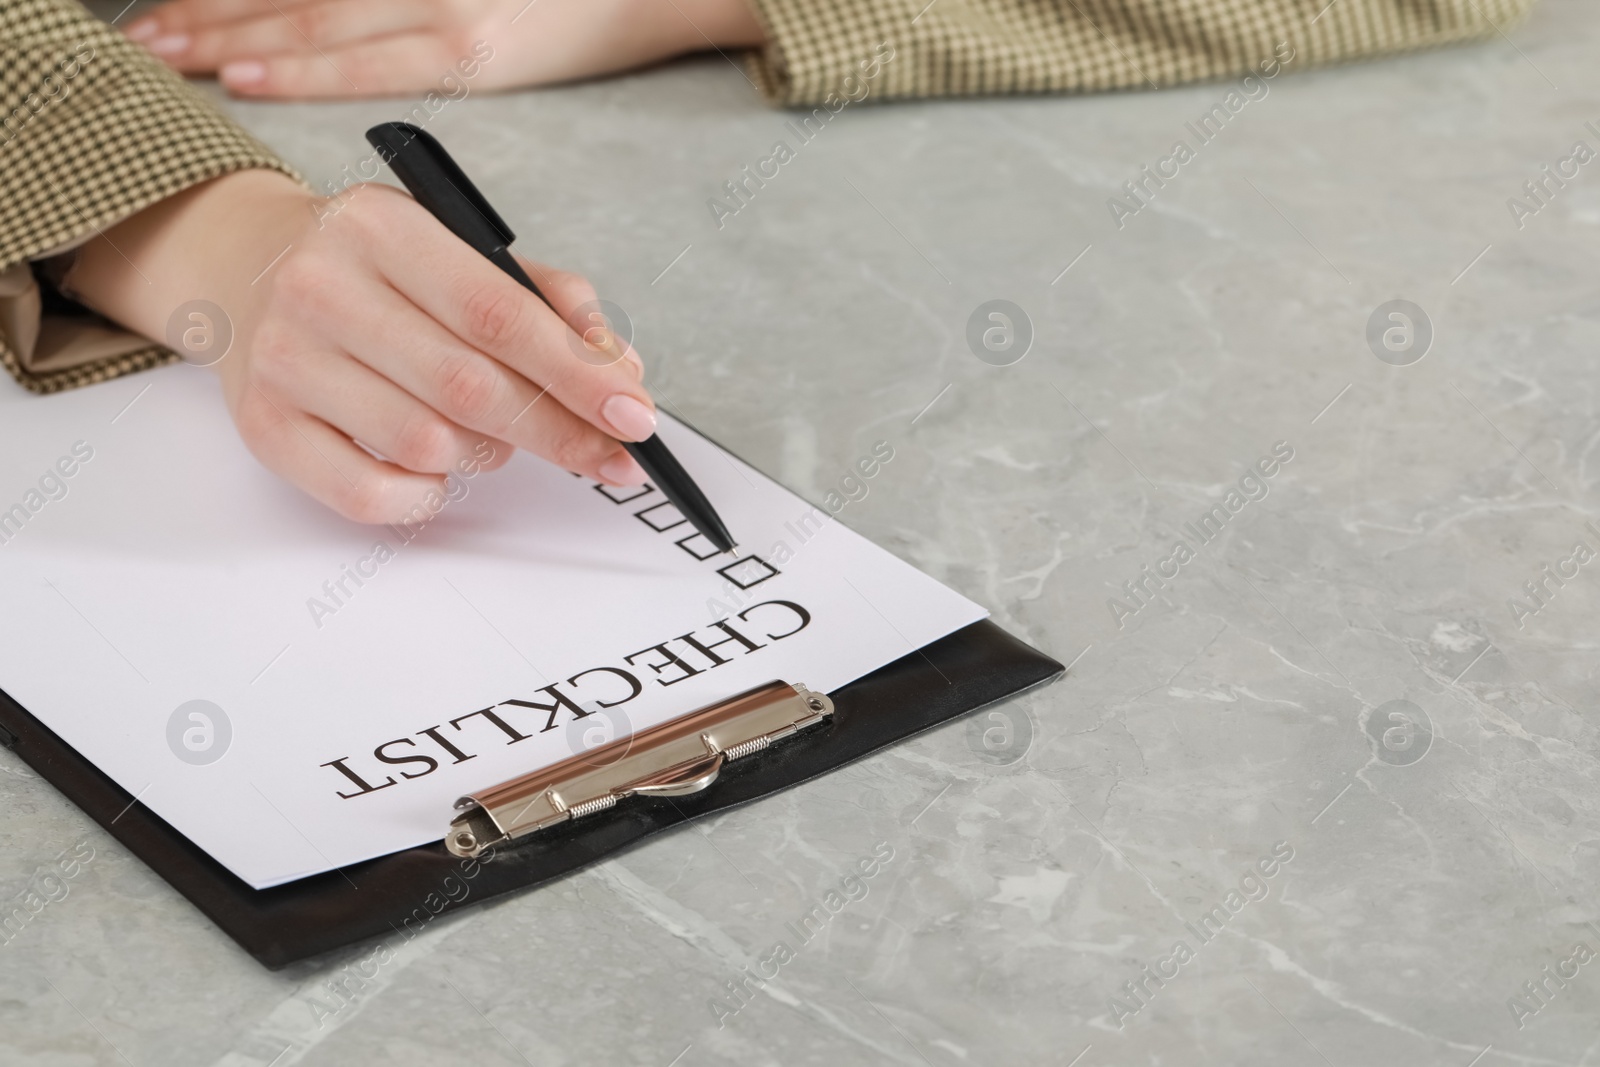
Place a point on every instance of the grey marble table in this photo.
(1353, 881)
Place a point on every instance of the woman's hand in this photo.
(373, 351)
(329, 48)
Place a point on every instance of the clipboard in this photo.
(403, 892)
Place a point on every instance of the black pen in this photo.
(438, 184)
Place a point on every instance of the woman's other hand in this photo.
(349, 48)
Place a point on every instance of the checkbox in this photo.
(634, 492)
(747, 572)
(661, 517)
(704, 550)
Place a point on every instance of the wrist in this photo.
(728, 23)
(649, 30)
(209, 242)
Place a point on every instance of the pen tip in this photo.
(719, 536)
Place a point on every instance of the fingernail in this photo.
(622, 469)
(143, 30)
(243, 72)
(169, 45)
(628, 417)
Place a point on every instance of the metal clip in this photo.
(672, 759)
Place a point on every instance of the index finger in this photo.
(494, 314)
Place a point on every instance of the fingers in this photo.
(493, 314)
(388, 354)
(377, 67)
(325, 24)
(374, 411)
(182, 16)
(578, 305)
(329, 466)
(451, 383)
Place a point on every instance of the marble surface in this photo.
(1041, 860)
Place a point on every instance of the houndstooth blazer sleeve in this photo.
(92, 130)
(905, 48)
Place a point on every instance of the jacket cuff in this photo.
(820, 51)
(813, 46)
(48, 343)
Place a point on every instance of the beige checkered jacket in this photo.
(961, 47)
(93, 129)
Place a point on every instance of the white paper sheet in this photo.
(169, 567)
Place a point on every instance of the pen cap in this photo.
(438, 184)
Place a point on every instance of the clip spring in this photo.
(674, 758)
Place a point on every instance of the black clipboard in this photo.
(972, 668)
(960, 673)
